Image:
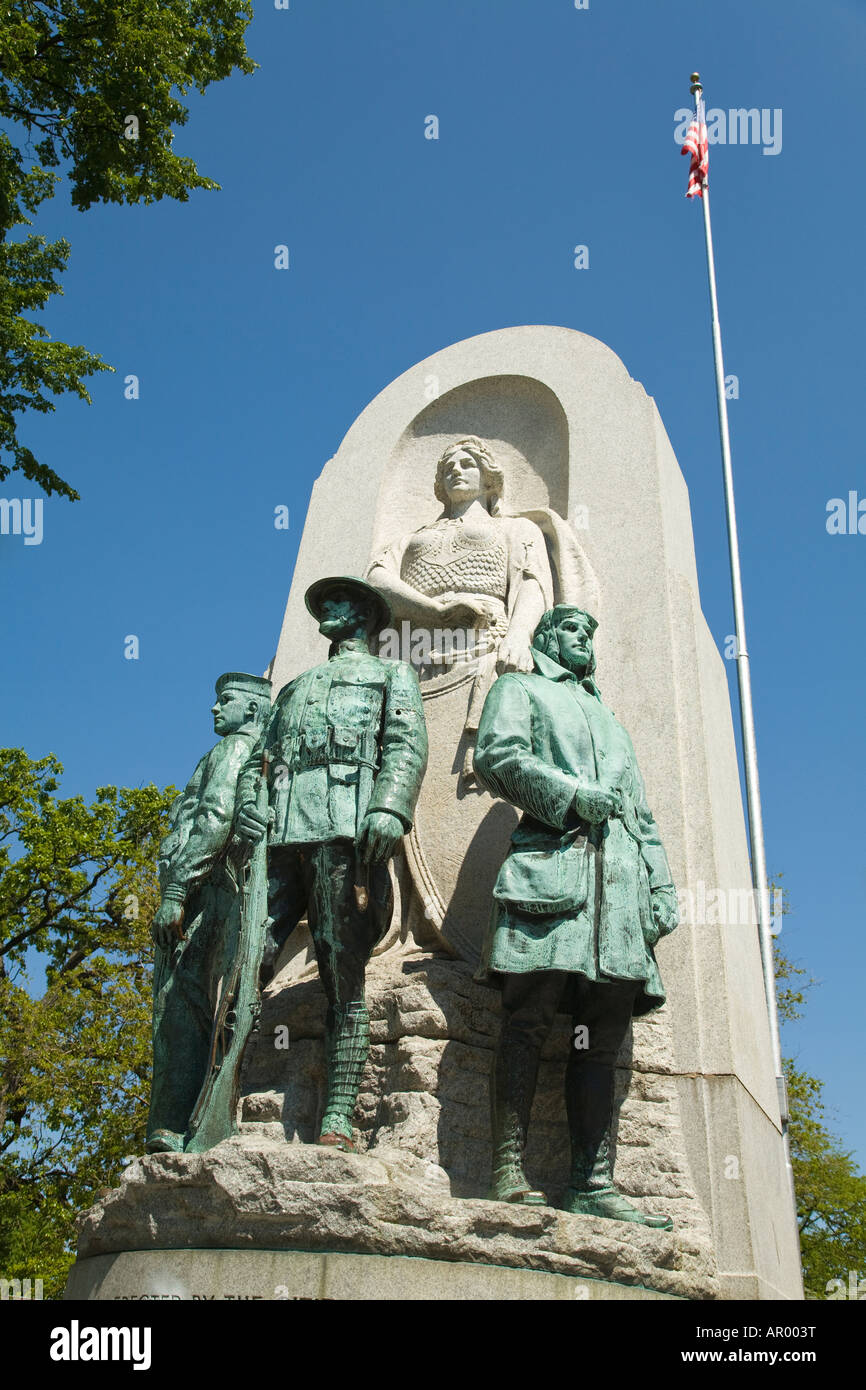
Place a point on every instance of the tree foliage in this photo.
(78, 888)
(830, 1190)
(94, 86)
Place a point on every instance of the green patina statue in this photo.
(581, 899)
(347, 748)
(196, 928)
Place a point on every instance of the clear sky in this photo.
(556, 128)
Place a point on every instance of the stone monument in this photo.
(585, 505)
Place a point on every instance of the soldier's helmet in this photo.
(376, 605)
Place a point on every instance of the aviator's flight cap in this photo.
(563, 610)
(379, 612)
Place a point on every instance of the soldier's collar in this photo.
(349, 646)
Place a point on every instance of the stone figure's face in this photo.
(461, 477)
(575, 642)
(344, 614)
(231, 711)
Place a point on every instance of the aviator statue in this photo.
(582, 897)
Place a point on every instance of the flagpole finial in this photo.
(696, 84)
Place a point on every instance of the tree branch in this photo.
(49, 916)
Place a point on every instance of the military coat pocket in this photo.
(356, 699)
(543, 882)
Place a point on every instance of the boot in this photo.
(591, 1190)
(347, 1046)
(512, 1087)
(164, 1141)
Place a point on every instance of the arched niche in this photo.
(519, 417)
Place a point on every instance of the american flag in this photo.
(698, 147)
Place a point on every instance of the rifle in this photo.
(214, 1117)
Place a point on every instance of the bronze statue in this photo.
(347, 746)
(195, 926)
(581, 899)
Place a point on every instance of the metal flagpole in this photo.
(747, 720)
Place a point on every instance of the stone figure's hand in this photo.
(596, 804)
(167, 926)
(514, 655)
(665, 911)
(250, 825)
(379, 836)
(467, 610)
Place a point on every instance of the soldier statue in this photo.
(195, 926)
(581, 899)
(346, 745)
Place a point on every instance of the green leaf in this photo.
(77, 79)
(78, 890)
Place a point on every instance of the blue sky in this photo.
(556, 129)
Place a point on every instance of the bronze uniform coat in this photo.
(569, 896)
(344, 738)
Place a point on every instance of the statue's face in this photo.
(343, 613)
(461, 477)
(230, 712)
(575, 642)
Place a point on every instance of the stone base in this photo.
(241, 1275)
(258, 1194)
(426, 1088)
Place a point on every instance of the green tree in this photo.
(95, 86)
(78, 889)
(831, 1192)
(830, 1189)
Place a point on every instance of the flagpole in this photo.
(747, 718)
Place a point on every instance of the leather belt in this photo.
(355, 747)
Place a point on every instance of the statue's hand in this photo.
(467, 610)
(250, 825)
(167, 926)
(380, 833)
(665, 911)
(596, 804)
(514, 655)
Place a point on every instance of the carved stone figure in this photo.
(473, 569)
(347, 747)
(195, 925)
(477, 581)
(580, 901)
